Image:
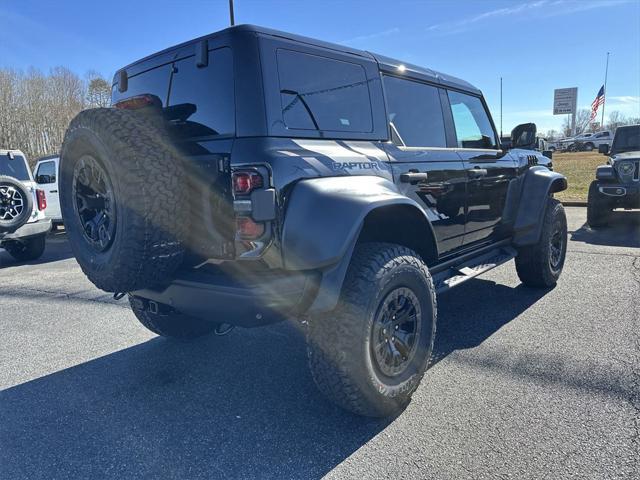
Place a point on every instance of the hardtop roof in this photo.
(387, 63)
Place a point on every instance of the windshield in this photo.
(627, 139)
(16, 167)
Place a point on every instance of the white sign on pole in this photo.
(565, 101)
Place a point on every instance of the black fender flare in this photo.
(322, 223)
(538, 184)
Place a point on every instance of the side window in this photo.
(202, 100)
(473, 127)
(415, 113)
(46, 173)
(319, 93)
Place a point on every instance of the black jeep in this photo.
(251, 176)
(617, 184)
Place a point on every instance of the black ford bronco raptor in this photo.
(252, 175)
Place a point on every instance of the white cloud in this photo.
(538, 9)
(371, 36)
(624, 100)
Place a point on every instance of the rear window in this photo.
(16, 167)
(319, 93)
(198, 102)
(202, 99)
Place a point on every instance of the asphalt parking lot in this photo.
(524, 383)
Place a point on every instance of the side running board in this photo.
(466, 270)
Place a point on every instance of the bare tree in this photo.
(98, 91)
(36, 108)
(616, 119)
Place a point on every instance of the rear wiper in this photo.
(299, 96)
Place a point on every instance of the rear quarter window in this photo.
(321, 93)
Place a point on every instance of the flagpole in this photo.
(606, 72)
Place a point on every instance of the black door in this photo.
(490, 171)
(423, 166)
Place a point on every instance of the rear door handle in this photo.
(413, 177)
(53, 191)
(477, 172)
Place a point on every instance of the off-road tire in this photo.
(589, 147)
(26, 250)
(170, 324)
(10, 225)
(148, 182)
(598, 207)
(339, 343)
(534, 262)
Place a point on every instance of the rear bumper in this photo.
(34, 229)
(222, 299)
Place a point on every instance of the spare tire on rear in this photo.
(16, 204)
(123, 199)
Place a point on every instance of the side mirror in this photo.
(603, 148)
(505, 146)
(524, 136)
(548, 154)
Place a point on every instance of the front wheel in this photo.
(598, 207)
(369, 354)
(27, 250)
(540, 265)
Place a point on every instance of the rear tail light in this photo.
(245, 182)
(248, 229)
(139, 101)
(42, 199)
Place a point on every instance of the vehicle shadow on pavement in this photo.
(241, 406)
(466, 324)
(57, 248)
(237, 406)
(622, 231)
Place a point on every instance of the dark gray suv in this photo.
(252, 176)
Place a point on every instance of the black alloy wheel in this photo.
(556, 246)
(94, 202)
(395, 331)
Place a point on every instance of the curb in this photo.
(574, 204)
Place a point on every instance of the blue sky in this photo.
(535, 46)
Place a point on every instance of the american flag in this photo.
(596, 103)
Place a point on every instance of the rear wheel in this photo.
(371, 352)
(540, 265)
(588, 147)
(598, 207)
(170, 324)
(26, 250)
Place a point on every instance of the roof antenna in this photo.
(231, 18)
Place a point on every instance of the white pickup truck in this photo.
(585, 142)
(23, 226)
